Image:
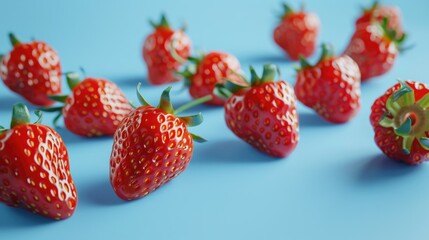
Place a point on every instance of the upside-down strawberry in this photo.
(331, 87)
(151, 146)
(297, 32)
(204, 72)
(34, 168)
(400, 118)
(374, 48)
(32, 70)
(95, 107)
(263, 113)
(157, 52)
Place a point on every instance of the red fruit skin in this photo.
(331, 88)
(33, 71)
(297, 34)
(265, 117)
(161, 65)
(95, 108)
(35, 172)
(150, 148)
(392, 13)
(389, 143)
(212, 70)
(374, 53)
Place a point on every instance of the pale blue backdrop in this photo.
(336, 185)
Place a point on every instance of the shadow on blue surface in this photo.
(311, 119)
(69, 137)
(265, 59)
(131, 80)
(6, 102)
(22, 219)
(380, 168)
(231, 151)
(100, 193)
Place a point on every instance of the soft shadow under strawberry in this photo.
(20, 218)
(310, 119)
(100, 193)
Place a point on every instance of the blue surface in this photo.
(336, 185)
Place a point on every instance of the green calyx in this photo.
(165, 104)
(163, 23)
(21, 116)
(229, 88)
(14, 40)
(409, 118)
(327, 52)
(392, 34)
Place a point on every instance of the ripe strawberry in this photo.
(34, 168)
(264, 113)
(158, 49)
(32, 70)
(331, 87)
(374, 48)
(400, 119)
(151, 146)
(95, 107)
(204, 72)
(297, 33)
(377, 13)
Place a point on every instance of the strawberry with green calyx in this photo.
(157, 52)
(331, 87)
(95, 107)
(152, 146)
(374, 49)
(297, 32)
(34, 168)
(32, 70)
(203, 72)
(262, 112)
(378, 12)
(400, 119)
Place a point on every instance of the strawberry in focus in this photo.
(95, 107)
(32, 70)
(297, 32)
(331, 87)
(374, 48)
(263, 113)
(400, 119)
(151, 146)
(204, 72)
(158, 49)
(34, 168)
(378, 12)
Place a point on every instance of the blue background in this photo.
(335, 185)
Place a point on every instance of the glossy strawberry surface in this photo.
(377, 13)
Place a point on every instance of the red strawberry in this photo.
(151, 146)
(32, 70)
(297, 33)
(264, 113)
(34, 168)
(374, 48)
(400, 119)
(95, 107)
(205, 71)
(331, 87)
(377, 13)
(158, 49)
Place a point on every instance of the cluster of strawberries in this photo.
(152, 145)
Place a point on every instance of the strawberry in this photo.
(331, 87)
(297, 32)
(158, 49)
(32, 70)
(377, 13)
(263, 113)
(34, 168)
(95, 107)
(374, 48)
(204, 72)
(400, 119)
(151, 146)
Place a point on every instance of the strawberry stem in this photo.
(194, 103)
(269, 73)
(142, 100)
(165, 102)
(197, 138)
(20, 115)
(59, 98)
(162, 23)
(327, 52)
(286, 9)
(39, 115)
(304, 63)
(73, 79)
(14, 40)
(193, 120)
